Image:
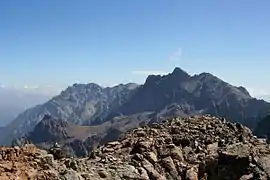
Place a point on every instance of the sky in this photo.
(48, 45)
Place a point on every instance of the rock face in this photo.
(50, 130)
(263, 128)
(90, 104)
(204, 93)
(199, 147)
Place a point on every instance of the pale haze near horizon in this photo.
(47, 45)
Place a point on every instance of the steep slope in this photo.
(68, 136)
(216, 97)
(203, 93)
(157, 92)
(76, 140)
(82, 104)
(199, 147)
(93, 105)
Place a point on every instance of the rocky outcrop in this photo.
(192, 148)
(199, 147)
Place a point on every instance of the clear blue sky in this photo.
(58, 42)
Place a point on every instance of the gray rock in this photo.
(169, 153)
(152, 157)
(153, 174)
(71, 175)
(264, 163)
(246, 177)
(192, 174)
(176, 153)
(48, 159)
(103, 174)
(143, 174)
(237, 150)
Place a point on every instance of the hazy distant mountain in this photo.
(82, 104)
(13, 102)
(176, 93)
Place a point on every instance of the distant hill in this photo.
(177, 93)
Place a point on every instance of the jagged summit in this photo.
(176, 75)
(152, 80)
(180, 73)
(91, 104)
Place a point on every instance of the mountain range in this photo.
(126, 106)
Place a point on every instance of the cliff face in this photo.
(199, 147)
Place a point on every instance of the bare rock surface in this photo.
(199, 147)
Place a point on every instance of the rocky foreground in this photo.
(200, 147)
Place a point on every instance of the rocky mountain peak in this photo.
(153, 80)
(198, 147)
(178, 72)
(91, 104)
(244, 90)
(177, 75)
(82, 88)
